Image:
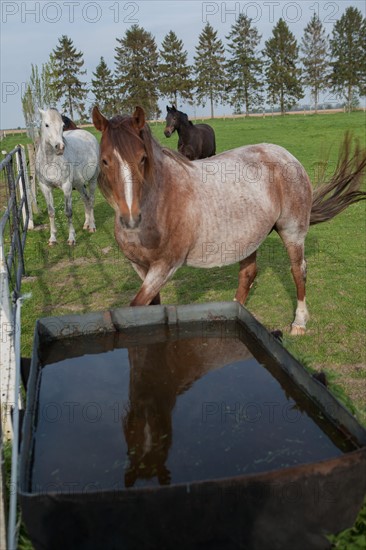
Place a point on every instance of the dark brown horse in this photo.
(214, 212)
(196, 141)
(68, 124)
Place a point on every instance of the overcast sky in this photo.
(30, 31)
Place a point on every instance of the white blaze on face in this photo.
(126, 176)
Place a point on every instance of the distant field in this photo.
(95, 276)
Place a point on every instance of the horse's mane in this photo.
(68, 123)
(184, 118)
(125, 146)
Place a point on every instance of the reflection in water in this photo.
(159, 373)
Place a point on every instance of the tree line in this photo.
(240, 74)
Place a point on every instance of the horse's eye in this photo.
(47, 126)
(142, 161)
(105, 162)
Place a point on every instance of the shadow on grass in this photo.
(75, 270)
(194, 285)
(97, 266)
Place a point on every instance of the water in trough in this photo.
(161, 405)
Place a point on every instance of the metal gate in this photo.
(15, 218)
(14, 221)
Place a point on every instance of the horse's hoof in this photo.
(92, 229)
(296, 330)
(71, 243)
(52, 243)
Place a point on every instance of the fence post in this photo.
(32, 176)
(2, 496)
(7, 356)
(24, 185)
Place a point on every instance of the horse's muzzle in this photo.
(130, 222)
(59, 148)
(168, 132)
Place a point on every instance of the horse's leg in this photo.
(68, 211)
(295, 251)
(142, 271)
(92, 188)
(47, 193)
(157, 275)
(88, 199)
(247, 274)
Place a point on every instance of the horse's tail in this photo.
(343, 189)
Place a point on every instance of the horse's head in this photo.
(171, 121)
(125, 162)
(51, 130)
(148, 434)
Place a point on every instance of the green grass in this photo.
(353, 538)
(94, 275)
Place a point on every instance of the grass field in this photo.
(94, 275)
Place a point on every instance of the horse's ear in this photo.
(167, 108)
(174, 108)
(138, 118)
(41, 112)
(99, 121)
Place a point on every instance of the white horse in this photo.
(66, 160)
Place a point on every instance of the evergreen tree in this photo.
(282, 74)
(348, 47)
(65, 81)
(315, 46)
(103, 88)
(174, 77)
(137, 71)
(209, 68)
(244, 66)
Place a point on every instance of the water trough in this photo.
(182, 427)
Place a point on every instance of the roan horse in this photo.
(66, 160)
(170, 211)
(196, 141)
